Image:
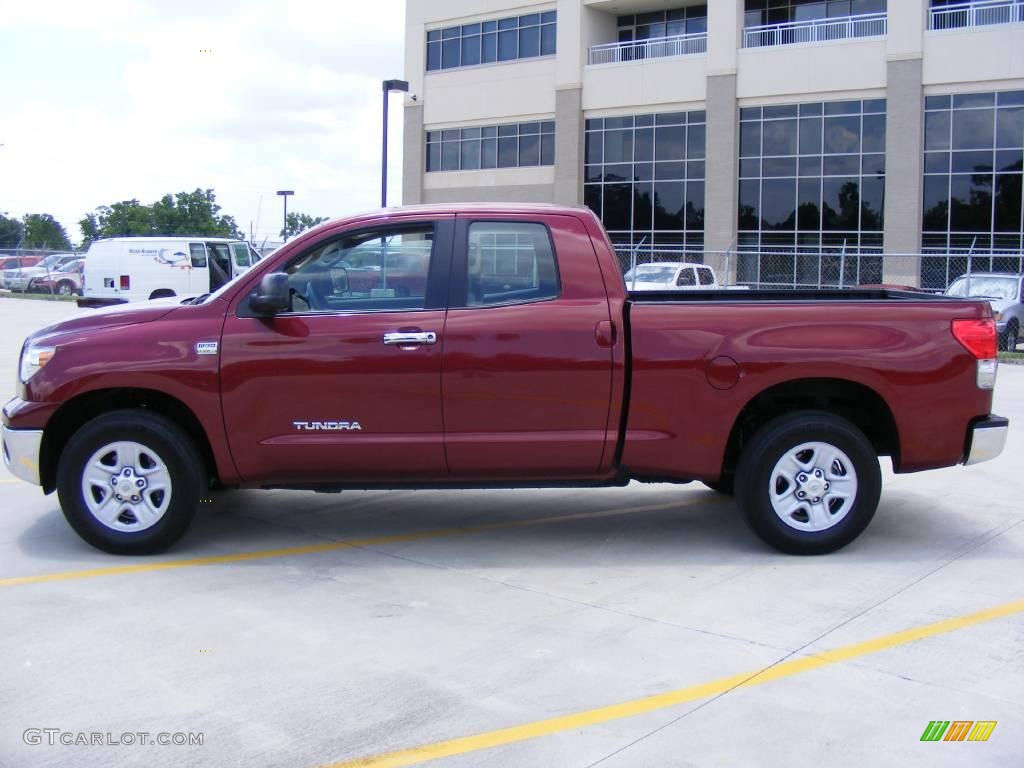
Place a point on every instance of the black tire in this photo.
(161, 293)
(770, 444)
(65, 288)
(178, 453)
(725, 485)
(1009, 340)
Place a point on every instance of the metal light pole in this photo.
(387, 86)
(284, 196)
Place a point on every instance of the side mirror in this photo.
(271, 295)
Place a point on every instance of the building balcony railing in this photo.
(654, 48)
(976, 14)
(816, 30)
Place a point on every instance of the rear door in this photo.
(527, 375)
(346, 386)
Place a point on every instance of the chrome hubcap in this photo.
(126, 486)
(813, 486)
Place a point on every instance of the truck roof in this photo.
(440, 209)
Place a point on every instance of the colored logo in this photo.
(177, 259)
(958, 730)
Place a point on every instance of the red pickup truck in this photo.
(286, 378)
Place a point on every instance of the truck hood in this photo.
(1001, 305)
(119, 314)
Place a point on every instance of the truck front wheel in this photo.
(809, 483)
(129, 482)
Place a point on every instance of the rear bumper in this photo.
(21, 452)
(986, 439)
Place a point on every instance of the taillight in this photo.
(126, 284)
(977, 336)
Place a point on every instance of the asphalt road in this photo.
(641, 626)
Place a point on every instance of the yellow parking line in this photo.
(635, 707)
(10, 480)
(330, 546)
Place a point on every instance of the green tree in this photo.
(11, 232)
(298, 223)
(44, 231)
(189, 214)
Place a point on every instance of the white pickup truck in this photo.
(671, 276)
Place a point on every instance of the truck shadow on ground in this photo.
(689, 526)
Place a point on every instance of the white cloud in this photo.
(128, 105)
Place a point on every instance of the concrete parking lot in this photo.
(641, 626)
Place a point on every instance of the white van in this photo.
(123, 269)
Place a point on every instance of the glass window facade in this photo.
(812, 181)
(973, 157)
(658, 24)
(764, 12)
(513, 145)
(644, 177)
(487, 42)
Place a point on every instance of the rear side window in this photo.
(510, 262)
(705, 276)
(686, 277)
(198, 253)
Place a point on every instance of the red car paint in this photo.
(528, 393)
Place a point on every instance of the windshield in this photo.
(652, 273)
(985, 287)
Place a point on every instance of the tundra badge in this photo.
(328, 426)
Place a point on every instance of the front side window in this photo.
(380, 270)
(706, 276)
(510, 263)
(197, 251)
(241, 251)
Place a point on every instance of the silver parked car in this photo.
(1004, 292)
(19, 279)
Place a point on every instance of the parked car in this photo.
(18, 279)
(65, 280)
(1004, 292)
(671, 276)
(16, 262)
(131, 413)
(123, 269)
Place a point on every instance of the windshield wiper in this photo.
(197, 299)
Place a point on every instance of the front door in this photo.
(346, 386)
(527, 372)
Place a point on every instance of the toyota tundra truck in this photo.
(520, 360)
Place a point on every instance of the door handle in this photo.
(409, 338)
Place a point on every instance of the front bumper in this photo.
(986, 439)
(21, 452)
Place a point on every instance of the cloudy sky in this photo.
(111, 100)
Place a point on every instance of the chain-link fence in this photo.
(35, 270)
(823, 268)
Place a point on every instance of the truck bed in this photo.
(786, 295)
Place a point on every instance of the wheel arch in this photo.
(851, 400)
(67, 419)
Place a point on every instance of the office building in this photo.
(782, 128)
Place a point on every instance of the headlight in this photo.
(32, 359)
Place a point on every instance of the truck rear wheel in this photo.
(808, 483)
(129, 482)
